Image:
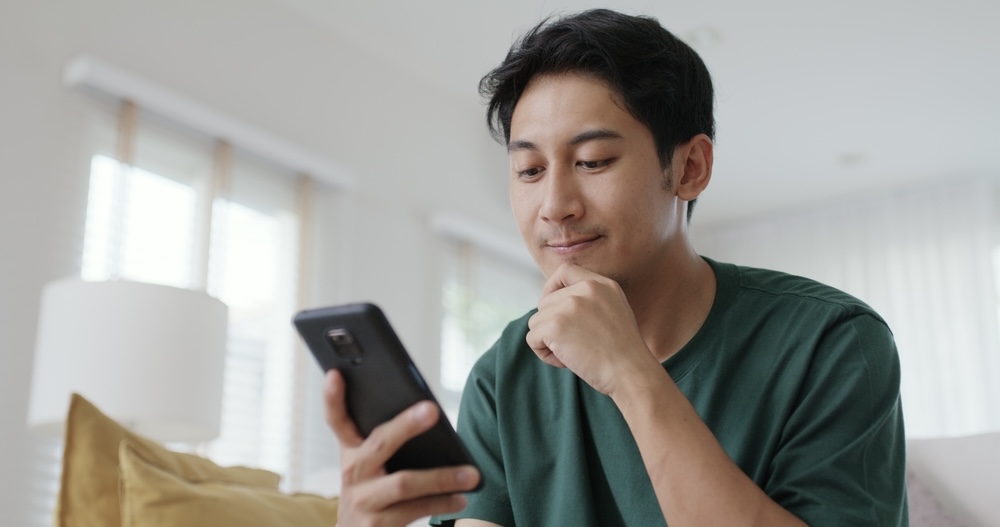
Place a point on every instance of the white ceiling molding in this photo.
(86, 72)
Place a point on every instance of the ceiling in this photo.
(814, 102)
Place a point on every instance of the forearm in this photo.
(694, 479)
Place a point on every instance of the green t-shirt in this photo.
(799, 383)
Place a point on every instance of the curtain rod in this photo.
(95, 74)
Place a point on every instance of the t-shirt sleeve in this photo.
(477, 426)
(841, 458)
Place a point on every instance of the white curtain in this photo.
(925, 259)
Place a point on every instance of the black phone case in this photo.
(382, 381)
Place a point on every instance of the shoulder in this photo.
(757, 288)
(846, 333)
(781, 314)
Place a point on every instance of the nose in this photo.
(561, 200)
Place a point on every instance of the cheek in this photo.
(517, 205)
(523, 213)
(647, 214)
(524, 200)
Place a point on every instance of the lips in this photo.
(572, 245)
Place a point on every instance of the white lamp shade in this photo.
(149, 356)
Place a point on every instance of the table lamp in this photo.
(149, 356)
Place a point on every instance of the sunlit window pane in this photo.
(481, 294)
(140, 226)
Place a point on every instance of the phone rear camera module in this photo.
(343, 343)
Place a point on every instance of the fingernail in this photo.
(465, 477)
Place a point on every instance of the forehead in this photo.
(565, 104)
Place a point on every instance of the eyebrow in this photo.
(600, 134)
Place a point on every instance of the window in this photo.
(253, 269)
(170, 203)
(156, 220)
(481, 293)
(189, 212)
(139, 226)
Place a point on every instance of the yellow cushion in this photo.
(88, 495)
(155, 495)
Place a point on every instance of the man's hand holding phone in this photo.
(370, 496)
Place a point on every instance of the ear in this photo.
(692, 165)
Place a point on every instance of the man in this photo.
(652, 386)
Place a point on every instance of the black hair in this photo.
(661, 81)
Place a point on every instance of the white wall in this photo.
(411, 149)
(921, 256)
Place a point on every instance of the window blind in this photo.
(145, 223)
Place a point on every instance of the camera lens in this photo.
(344, 345)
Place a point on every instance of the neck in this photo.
(671, 306)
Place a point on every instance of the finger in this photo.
(556, 281)
(409, 485)
(387, 438)
(335, 410)
(567, 275)
(536, 341)
(412, 485)
(404, 513)
(555, 297)
(546, 356)
(410, 511)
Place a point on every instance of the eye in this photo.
(529, 173)
(594, 165)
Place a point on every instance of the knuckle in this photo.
(377, 443)
(350, 472)
(349, 502)
(577, 302)
(590, 285)
(399, 484)
(361, 504)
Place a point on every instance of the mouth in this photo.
(572, 245)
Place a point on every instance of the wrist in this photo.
(646, 383)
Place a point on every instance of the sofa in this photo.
(954, 481)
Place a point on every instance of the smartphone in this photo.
(381, 379)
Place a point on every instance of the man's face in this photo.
(586, 184)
